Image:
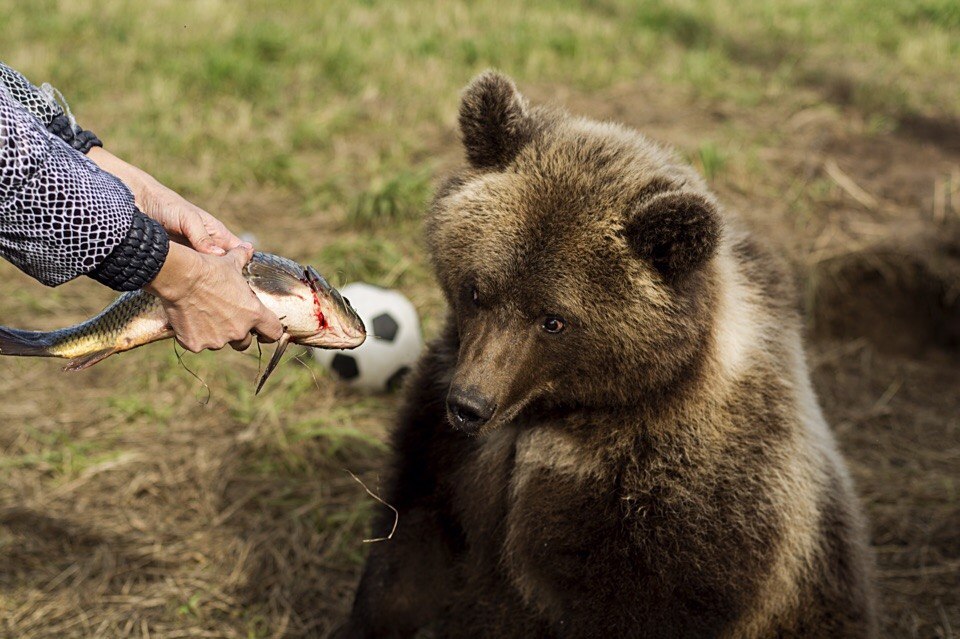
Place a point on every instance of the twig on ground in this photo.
(847, 184)
(316, 382)
(396, 514)
(197, 377)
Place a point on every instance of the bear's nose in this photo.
(468, 410)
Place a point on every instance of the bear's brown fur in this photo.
(615, 435)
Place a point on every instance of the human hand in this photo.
(208, 301)
(183, 220)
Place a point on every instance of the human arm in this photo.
(41, 103)
(182, 219)
(195, 290)
(61, 216)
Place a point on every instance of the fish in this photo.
(313, 313)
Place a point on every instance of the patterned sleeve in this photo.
(62, 216)
(42, 103)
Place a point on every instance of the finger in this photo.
(195, 231)
(269, 327)
(189, 346)
(221, 235)
(243, 344)
(265, 340)
(240, 255)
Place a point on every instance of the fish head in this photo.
(312, 311)
(338, 324)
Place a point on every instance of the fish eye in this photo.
(553, 324)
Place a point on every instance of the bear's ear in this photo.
(494, 121)
(675, 232)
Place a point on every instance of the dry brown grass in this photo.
(128, 509)
(237, 518)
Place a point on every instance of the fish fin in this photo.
(14, 341)
(86, 361)
(274, 274)
(277, 354)
(295, 269)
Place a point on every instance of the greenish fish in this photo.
(312, 312)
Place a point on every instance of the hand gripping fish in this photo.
(312, 312)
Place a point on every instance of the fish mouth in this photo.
(333, 341)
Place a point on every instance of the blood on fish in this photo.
(321, 320)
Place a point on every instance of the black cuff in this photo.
(79, 139)
(137, 259)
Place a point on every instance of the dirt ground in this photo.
(202, 529)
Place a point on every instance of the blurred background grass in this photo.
(132, 509)
(336, 104)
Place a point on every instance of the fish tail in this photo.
(14, 341)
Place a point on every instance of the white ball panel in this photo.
(377, 359)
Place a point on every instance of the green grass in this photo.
(390, 200)
(59, 455)
(291, 94)
(372, 258)
(710, 159)
(336, 116)
(321, 128)
(338, 109)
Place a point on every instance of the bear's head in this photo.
(578, 260)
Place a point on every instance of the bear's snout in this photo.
(468, 410)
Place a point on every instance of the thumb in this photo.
(240, 255)
(269, 327)
(195, 231)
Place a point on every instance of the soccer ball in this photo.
(393, 340)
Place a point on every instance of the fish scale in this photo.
(111, 327)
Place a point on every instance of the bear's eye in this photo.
(475, 296)
(553, 324)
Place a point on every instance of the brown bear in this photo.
(616, 434)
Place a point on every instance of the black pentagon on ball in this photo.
(396, 380)
(345, 366)
(385, 327)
